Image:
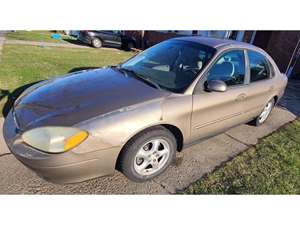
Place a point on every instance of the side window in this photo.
(259, 68)
(111, 32)
(229, 68)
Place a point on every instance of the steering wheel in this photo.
(187, 68)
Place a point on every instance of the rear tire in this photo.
(148, 154)
(96, 43)
(259, 120)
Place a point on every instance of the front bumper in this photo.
(68, 167)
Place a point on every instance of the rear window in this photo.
(259, 66)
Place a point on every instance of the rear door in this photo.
(111, 38)
(260, 88)
(214, 112)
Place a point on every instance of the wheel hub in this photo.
(151, 157)
(265, 113)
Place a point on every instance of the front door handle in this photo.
(241, 97)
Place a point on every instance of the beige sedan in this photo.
(135, 116)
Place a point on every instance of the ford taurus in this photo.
(136, 115)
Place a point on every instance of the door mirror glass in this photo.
(216, 85)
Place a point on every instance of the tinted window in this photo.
(172, 65)
(116, 31)
(229, 68)
(259, 69)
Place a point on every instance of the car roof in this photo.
(216, 42)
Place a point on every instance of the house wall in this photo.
(280, 45)
(262, 39)
(150, 37)
(247, 36)
(135, 34)
(154, 37)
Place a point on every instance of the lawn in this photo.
(271, 167)
(22, 64)
(43, 36)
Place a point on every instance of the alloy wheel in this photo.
(152, 157)
(97, 43)
(266, 112)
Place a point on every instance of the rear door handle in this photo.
(241, 97)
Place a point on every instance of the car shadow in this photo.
(3, 94)
(75, 42)
(13, 96)
(77, 69)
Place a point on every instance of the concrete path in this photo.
(45, 44)
(49, 44)
(192, 163)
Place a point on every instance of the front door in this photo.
(113, 38)
(214, 112)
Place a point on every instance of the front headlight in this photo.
(54, 139)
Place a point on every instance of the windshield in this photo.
(172, 65)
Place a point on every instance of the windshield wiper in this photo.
(140, 77)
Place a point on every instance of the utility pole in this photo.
(290, 67)
(142, 38)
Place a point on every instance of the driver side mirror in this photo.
(216, 85)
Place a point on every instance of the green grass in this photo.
(22, 64)
(271, 167)
(43, 36)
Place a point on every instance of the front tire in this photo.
(264, 114)
(148, 154)
(96, 43)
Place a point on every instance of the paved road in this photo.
(291, 97)
(192, 163)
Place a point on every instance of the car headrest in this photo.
(223, 69)
(199, 64)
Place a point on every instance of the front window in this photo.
(230, 68)
(172, 65)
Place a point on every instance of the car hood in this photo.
(74, 98)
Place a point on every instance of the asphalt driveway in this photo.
(191, 164)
